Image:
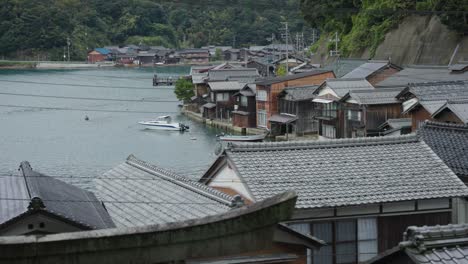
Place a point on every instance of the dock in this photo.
(164, 81)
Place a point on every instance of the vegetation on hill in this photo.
(363, 24)
(36, 28)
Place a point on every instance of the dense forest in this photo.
(363, 24)
(30, 29)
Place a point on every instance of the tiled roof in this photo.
(397, 123)
(59, 198)
(418, 74)
(449, 142)
(247, 75)
(375, 96)
(209, 105)
(342, 86)
(447, 244)
(432, 106)
(156, 195)
(438, 90)
(279, 79)
(226, 86)
(299, 93)
(458, 107)
(366, 69)
(346, 171)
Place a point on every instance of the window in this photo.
(329, 110)
(348, 241)
(354, 115)
(244, 100)
(261, 95)
(261, 118)
(328, 131)
(222, 97)
(303, 228)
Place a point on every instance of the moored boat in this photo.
(251, 138)
(163, 123)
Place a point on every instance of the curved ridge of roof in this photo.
(332, 143)
(180, 180)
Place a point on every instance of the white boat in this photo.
(251, 138)
(163, 123)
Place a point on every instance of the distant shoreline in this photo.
(19, 65)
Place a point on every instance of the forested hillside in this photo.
(362, 25)
(34, 28)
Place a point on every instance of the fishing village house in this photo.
(160, 196)
(194, 56)
(358, 195)
(438, 244)
(395, 127)
(245, 116)
(450, 143)
(327, 102)
(263, 65)
(292, 61)
(453, 111)
(365, 111)
(421, 101)
(373, 71)
(99, 55)
(231, 55)
(36, 204)
(269, 89)
(295, 102)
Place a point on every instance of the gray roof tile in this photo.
(59, 198)
(269, 81)
(246, 75)
(449, 142)
(376, 96)
(418, 74)
(299, 93)
(458, 107)
(226, 86)
(156, 195)
(342, 86)
(343, 66)
(438, 90)
(346, 171)
(366, 69)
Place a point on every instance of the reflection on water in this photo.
(53, 136)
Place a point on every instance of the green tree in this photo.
(184, 90)
(218, 55)
(281, 70)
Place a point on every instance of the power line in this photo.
(90, 98)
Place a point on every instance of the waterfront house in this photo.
(263, 66)
(358, 195)
(222, 95)
(32, 203)
(269, 89)
(395, 127)
(453, 111)
(450, 143)
(364, 111)
(99, 55)
(296, 112)
(160, 196)
(194, 56)
(330, 112)
(437, 244)
(422, 100)
(146, 58)
(245, 114)
(374, 71)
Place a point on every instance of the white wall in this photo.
(227, 178)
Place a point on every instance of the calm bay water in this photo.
(51, 133)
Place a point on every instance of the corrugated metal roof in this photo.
(366, 69)
(157, 195)
(59, 198)
(345, 172)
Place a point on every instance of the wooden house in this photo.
(395, 127)
(222, 95)
(245, 114)
(295, 104)
(374, 71)
(364, 111)
(330, 112)
(421, 101)
(436, 244)
(269, 89)
(358, 195)
(231, 55)
(454, 111)
(29, 206)
(194, 56)
(264, 68)
(98, 55)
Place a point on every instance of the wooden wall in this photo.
(381, 75)
(448, 116)
(418, 115)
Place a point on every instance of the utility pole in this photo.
(314, 35)
(68, 47)
(286, 36)
(335, 52)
